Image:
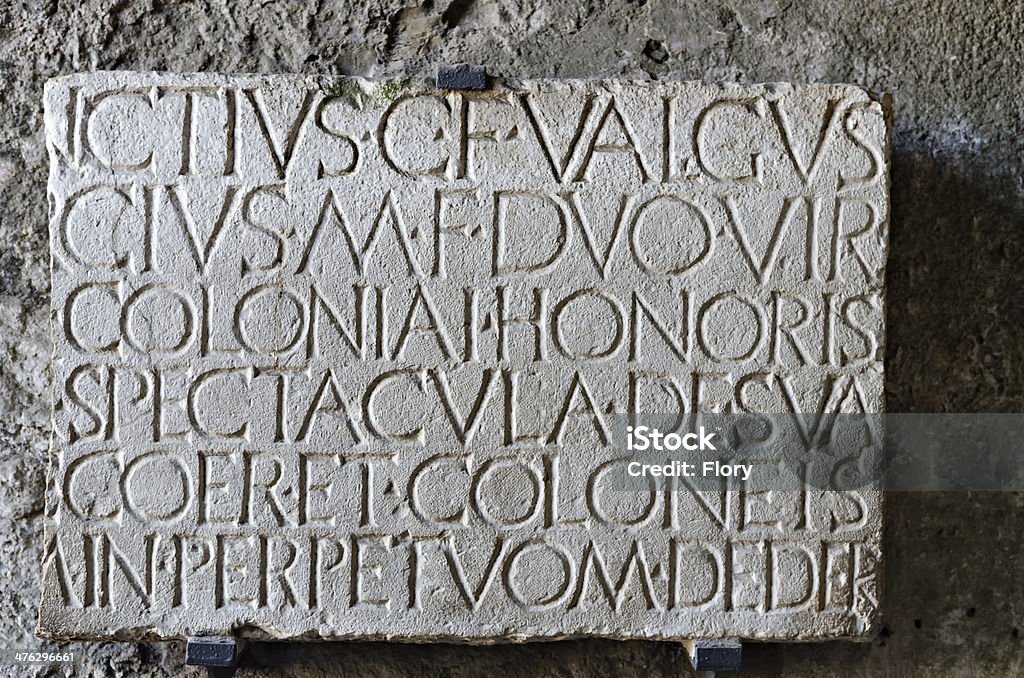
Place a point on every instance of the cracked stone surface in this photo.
(952, 602)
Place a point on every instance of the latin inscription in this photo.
(341, 358)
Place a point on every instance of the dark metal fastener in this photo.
(462, 76)
(219, 654)
(715, 654)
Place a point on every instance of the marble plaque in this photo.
(338, 358)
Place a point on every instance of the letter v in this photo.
(558, 169)
(282, 158)
(602, 259)
(465, 426)
(201, 251)
(473, 597)
(804, 169)
(762, 270)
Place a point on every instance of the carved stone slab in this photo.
(338, 358)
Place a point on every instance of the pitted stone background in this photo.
(953, 601)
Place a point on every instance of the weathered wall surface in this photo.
(953, 598)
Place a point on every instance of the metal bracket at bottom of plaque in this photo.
(714, 654)
(219, 654)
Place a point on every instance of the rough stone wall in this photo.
(953, 597)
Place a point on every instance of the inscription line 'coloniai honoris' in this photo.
(340, 358)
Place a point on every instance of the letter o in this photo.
(283, 344)
(704, 227)
(488, 470)
(704, 332)
(175, 343)
(137, 466)
(598, 510)
(546, 602)
(619, 324)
